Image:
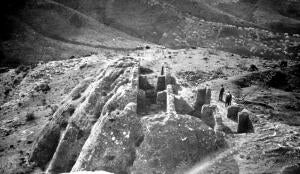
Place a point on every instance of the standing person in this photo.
(221, 93)
(228, 99)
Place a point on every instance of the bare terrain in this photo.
(115, 86)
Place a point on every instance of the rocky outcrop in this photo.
(104, 129)
(45, 146)
(72, 123)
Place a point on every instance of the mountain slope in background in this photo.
(252, 28)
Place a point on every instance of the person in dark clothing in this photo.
(221, 93)
(228, 99)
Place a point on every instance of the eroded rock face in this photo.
(169, 140)
(73, 121)
(45, 146)
(111, 145)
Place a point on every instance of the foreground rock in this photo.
(171, 140)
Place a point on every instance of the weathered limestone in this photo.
(161, 99)
(232, 112)
(207, 114)
(169, 141)
(181, 106)
(203, 97)
(244, 122)
(161, 83)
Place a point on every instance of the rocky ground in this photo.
(34, 98)
(114, 86)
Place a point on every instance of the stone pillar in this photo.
(141, 101)
(170, 100)
(207, 114)
(169, 79)
(135, 77)
(203, 97)
(244, 122)
(232, 112)
(161, 99)
(208, 96)
(162, 71)
(161, 83)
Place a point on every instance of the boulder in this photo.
(170, 141)
(232, 112)
(207, 114)
(244, 122)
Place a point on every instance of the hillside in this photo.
(133, 86)
(253, 28)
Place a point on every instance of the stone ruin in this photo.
(240, 115)
(126, 122)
